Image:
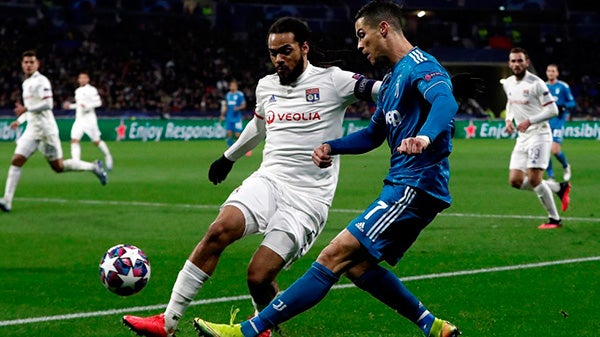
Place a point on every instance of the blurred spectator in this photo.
(174, 58)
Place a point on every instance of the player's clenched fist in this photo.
(321, 156)
(412, 145)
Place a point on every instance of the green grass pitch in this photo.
(482, 264)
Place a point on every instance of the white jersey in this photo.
(86, 99)
(297, 118)
(525, 99)
(37, 98)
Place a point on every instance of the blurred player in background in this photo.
(287, 199)
(231, 112)
(564, 100)
(41, 132)
(415, 113)
(530, 105)
(86, 100)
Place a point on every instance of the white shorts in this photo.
(289, 221)
(532, 151)
(48, 145)
(89, 126)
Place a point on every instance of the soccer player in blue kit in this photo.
(564, 100)
(415, 114)
(231, 111)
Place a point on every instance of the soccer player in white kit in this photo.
(530, 105)
(86, 121)
(287, 199)
(41, 132)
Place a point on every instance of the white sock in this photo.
(78, 165)
(107, 157)
(554, 186)
(76, 151)
(545, 195)
(188, 283)
(12, 180)
(104, 148)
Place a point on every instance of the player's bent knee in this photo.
(222, 233)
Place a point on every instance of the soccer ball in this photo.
(124, 270)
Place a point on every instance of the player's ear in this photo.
(304, 48)
(384, 27)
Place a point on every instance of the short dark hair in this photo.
(381, 10)
(517, 50)
(292, 25)
(29, 53)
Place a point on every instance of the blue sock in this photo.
(229, 141)
(303, 294)
(387, 287)
(549, 169)
(562, 159)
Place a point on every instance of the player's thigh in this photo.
(538, 152)
(392, 223)
(257, 199)
(26, 145)
(77, 130)
(93, 131)
(295, 226)
(51, 147)
(518, 157)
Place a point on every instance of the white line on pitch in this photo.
(341, 286)
(333, 210)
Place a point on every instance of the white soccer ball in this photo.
(124, 269)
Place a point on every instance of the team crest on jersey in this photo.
(312, 95)
(526, 92)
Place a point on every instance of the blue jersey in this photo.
(234, 100)
(415, 99)
(564, 99)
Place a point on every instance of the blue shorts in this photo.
(392, 223)
(234, 126)
(557, 125)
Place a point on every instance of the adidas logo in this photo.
(272, 99)
(360, 226)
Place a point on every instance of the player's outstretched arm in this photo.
(219, 169)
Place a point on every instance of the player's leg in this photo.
(76, 134)
(245, 212)
(75, 149)
(26, 146)
(390, 228)
(538, 155)
(562, 158)
(202, 262)
(106, 152)
(517, 176)
(93, 131)
(309, 289)
(290, 233)
(52, 150)
(229, 136)
(263, 269)
(557, 140)
(12, 180)
(550, 170)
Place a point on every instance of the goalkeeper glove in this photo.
(466, 86)
(219, 170)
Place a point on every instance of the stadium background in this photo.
(172, 59)
(482, 264)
